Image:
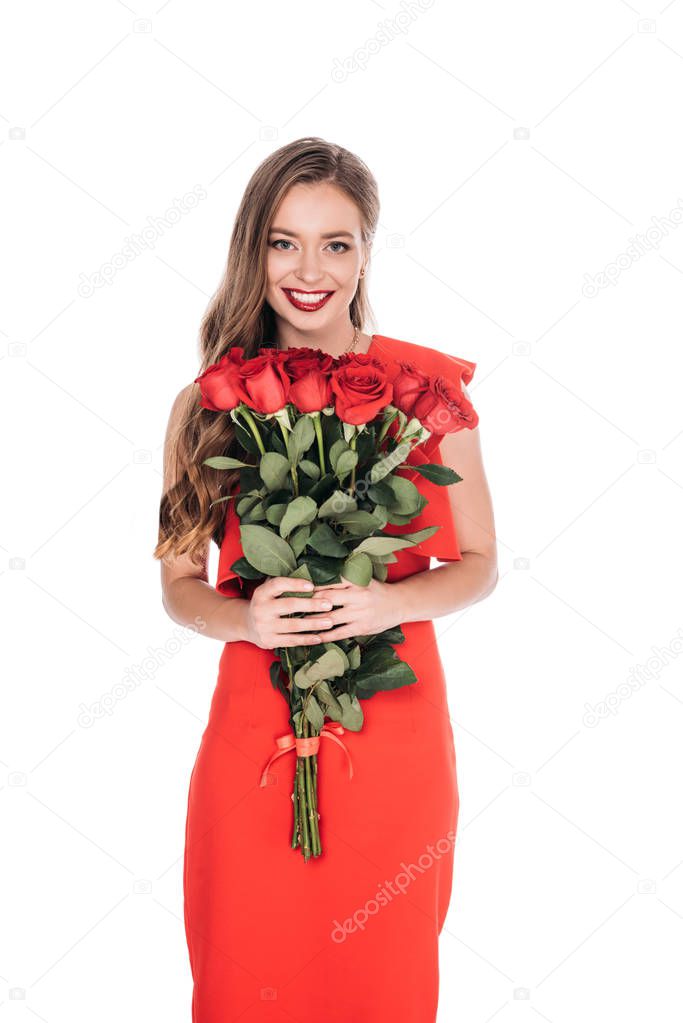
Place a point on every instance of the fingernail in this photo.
(327, 606)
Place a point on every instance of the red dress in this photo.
(350, 936)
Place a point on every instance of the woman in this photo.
(353, 934)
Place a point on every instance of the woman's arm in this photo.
(190, 599)
(187, 595)
(456, 585)
(366, 610)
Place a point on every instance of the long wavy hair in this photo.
(238, 314)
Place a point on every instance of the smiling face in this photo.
(315, 255)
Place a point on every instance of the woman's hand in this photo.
(265, 626)
(361, 610)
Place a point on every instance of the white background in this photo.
(518, 148)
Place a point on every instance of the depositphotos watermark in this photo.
(387, 31)
(399, 885)
(140, 242)
(135, 674)
(638, 676)
(639, 246)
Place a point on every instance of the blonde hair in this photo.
(238, 314)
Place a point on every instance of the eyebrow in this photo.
(328, 234)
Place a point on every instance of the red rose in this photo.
(409, 385)
(309, 372)
(361, 388)
(220, 384)
(444, 408)
(265, 381)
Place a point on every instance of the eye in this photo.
(344, 246)
(281, 241)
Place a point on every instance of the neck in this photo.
(333, 339)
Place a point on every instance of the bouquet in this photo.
(322, 442)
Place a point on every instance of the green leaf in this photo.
(225, 462)
(302, 572)
(245, 570)
(299, 539)
(256, 513)
(325, 696)
(381, 493)
(323, 570)
(275, 513)
(313, 712)
(336, 450)
(383, 544)
(310, 468)
(332, 664)
(336, 504)
(347, 461)
(301, 438)
(274, 469)
(380, 570)
(382, 669)
(357, 569)
(440, 474)
(352, 712)
(421, 534)
(324, 540)
(300, 512)
(267, 551)
(358, 522)
(389, 462)
(406, 496)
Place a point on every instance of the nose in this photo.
(309, 269)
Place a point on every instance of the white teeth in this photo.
(309, 299)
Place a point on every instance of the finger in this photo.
(285, 626)
(305, 603)
(298, 639)
(343, 585)
(341, 632)
(284, 584)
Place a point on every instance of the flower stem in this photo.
(353, 471)
(319, 436)
(246, 415)
(292, 467)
